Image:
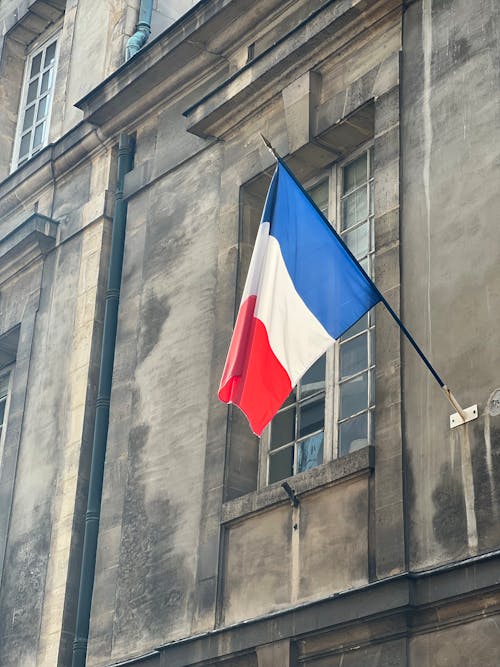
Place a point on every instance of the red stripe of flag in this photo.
(253, 378)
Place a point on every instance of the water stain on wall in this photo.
(153, 583)
(154, 313)
(449, 520)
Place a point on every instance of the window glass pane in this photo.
(353, 395)
(28, 117)
(292, 397)
(49, 55)
(281, 464)
(32, 90)
(355, 173)
(46, 81)
(353, 434)
(314, 379)
(2, 409)
(25, 144)
(38, 138)
(319, 195)
(358, 240)
(35, 65)
(354, 208)
(310, 452)
(365, 263)
(42, 108)
(311, 417)
(360, 325)
(371, 198)
(354, 356)
(283, 428)
(4, 385)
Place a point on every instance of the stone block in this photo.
(259, 547)
(333, 545)
(387, 229)
(387, 111)
(477, 640)
(278, 654)
(300, 98)
(386, 147)
(389, 540)
(387, 187)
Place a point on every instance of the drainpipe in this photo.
(143, 29)
(125, 158)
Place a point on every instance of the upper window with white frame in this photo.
(36, 102)
(4, 400)
(331, 411)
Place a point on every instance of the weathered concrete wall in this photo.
(387, 654)
(148, 544)
(61, 350)
(158, 558)
(450, 259)
(98, 36)
(473, 643)
(189, 544)
(166, 12)
(292, 555)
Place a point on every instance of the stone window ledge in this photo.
(338, 470)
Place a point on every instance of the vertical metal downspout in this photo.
(125, 158)
(143, 29)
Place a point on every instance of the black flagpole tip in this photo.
(269, 146)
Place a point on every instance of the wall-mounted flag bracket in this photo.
(462, 415)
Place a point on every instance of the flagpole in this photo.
(447, 392)
(445, 389)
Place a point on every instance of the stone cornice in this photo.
(402, 605)
(47, 166)
(327, 31)
(179, 63)
(177, 58)
(27, 242)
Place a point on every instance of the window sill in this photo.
(338, 470)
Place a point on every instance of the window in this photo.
(4, 395)
(331, 411)
(36, 102)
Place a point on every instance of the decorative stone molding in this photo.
(243, 94)
(30, 240)
(30, 19)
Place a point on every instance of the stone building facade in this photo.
(388, 111)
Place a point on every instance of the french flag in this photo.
(304, 289)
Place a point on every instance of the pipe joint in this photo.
(142, 29)
(80, 645)
(138, 39)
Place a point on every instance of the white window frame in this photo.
(36, 48)
(332, 373)
(5, 372)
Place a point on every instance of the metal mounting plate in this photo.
(470, 414)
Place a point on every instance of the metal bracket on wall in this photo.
(468, 415)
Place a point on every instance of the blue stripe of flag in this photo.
(328, 279)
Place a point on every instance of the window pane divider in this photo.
(356, 414)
